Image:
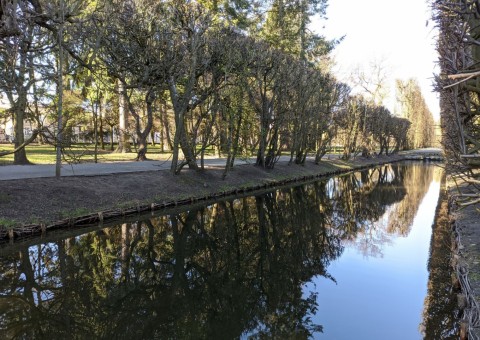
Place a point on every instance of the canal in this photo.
(348, 257)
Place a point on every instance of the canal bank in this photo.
(33, 206)
(465, 223)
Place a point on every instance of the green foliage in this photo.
(242, 14)
(4, 198)
(77, 212)
(286, 27)
(8, 223)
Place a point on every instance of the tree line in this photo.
(243, 77)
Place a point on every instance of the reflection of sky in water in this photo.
(379, 297)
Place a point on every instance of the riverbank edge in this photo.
(199, 192)
(466, 257)
(443, 309)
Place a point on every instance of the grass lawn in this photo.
(45, 154)
(83, 153)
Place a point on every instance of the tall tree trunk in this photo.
(59, 141)
(174, 165)
(262, 146)
(111, 138)
(123, 137)
(303, 29)
(142, 146)
(187, 147)
(162, 141)
(100, 117)
(142, 136)
(180, 139)
(152, 136)
(166, 126)
(19, 106)
(95, 133)
(20, 157)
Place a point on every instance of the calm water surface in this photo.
(344, 258)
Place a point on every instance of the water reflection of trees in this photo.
(232, 268)
(416, 181)
(441, 313)
(375, 205)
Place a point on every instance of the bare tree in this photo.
(459, 87)
(414, 108)
(372, 81)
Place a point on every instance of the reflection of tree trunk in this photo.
(262, 235)
(233, 229)
(151, 244)
(39, 272)
(125, 255)
(182, 231)
(66, 308)
(236, 236)
(396, 173)
(382, 174)
(179, 277)
(272, 211)
(27, 270)
(364, 175)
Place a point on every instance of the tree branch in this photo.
(20, 147)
